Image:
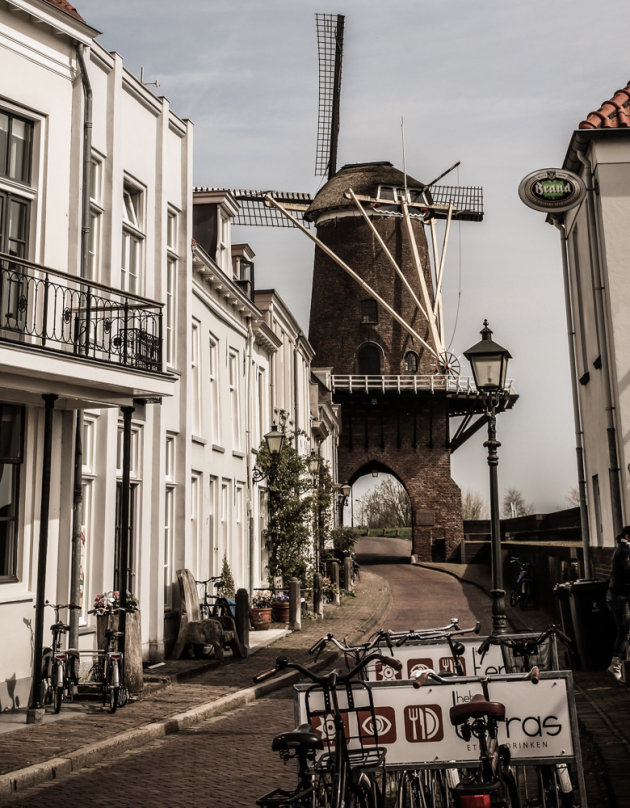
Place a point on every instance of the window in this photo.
(96, 214)
(234, 399)
(223, 246)
(11, 443)
(169, 528)
(214, 391)
(410, 362)
(132, 241)
(195, 381)
(213, 539)
(171, 284)
(195, 523)
(224, 538)
(135, 473)
(369, 360)
(369, 311)
(16, 147)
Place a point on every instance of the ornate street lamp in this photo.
(343, 493)
(489, 361)
(275, 441)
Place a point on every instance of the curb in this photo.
(13, 782)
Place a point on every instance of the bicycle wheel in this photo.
(513, 597)
(57, 689)
(409, 791)
(363, 793)
(555, 789)
(320, 798)
(510, 786)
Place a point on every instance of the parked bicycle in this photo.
(553, 781)
(493, 782)
(59, 674)
(340, 762)
(522, 594)
(223, 609)
(108, 669)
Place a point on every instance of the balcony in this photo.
(47, 309)
(432, 383)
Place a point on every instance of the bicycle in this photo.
(554, 784)
(344, 775)
(493, 782)
(108, 670)
(522, 593)
(59, 678)
(223, 609)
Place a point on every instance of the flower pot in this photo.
(280, 611)
(261, 617)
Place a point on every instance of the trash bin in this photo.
(593, 624)
(563, 593)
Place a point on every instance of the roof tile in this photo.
(613, 114)
(63, 5)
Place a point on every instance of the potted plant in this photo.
(106, 607)
(280, 608)
(260, 612)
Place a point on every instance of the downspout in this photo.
(577, 416)
(250, 483)
(611, 430)
(77, 502)
(296, 396)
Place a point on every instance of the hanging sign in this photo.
(552, 190)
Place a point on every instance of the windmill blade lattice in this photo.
(330, 52)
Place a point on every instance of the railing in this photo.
(434, 382)
(45, 308)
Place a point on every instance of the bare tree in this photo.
(514, 504)
(386, 505)
(573, 497)
(473, 505)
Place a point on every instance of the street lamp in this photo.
(489, 361)
(342, 499)
(275, 441)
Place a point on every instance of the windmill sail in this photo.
(330, 52)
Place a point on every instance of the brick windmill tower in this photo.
(376, 313)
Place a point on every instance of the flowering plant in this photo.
(262, 599)
(108, 601)
(280, 597)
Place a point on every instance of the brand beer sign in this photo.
(552, 190)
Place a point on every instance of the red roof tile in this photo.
(613, 114)
(65, 6)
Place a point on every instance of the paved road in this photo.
(422, 598)
(227, 762)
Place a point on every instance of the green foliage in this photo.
(343, 538)
(322, 507)
(288, 533)
(227, 589)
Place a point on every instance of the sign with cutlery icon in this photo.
(414, 724)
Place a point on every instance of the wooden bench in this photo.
(198, 632)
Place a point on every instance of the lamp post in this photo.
(275, 441)
(489, 362)
(342, 499)
(313, 467)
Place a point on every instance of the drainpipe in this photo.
(611, 430)
(296, 396)
(250, 485)
(577, 416)
(35, 713)
(77, 505)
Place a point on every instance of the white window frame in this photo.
(195, 374)
(133, 239)
(215, 397)
(233, 386)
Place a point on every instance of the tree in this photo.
(473, 505)
(573, 497)
(387, 505)
(288, 535)
(514, 504)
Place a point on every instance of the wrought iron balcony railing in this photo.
(45, 308)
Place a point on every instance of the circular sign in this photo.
(551, 190)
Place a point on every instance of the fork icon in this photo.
(416, 714)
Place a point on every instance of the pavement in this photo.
(180, 694)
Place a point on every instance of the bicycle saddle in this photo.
(476, 707)
(303, 736)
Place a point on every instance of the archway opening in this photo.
(378, 504)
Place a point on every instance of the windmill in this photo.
(379, 322)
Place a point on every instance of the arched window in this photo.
(410, 362)
(369, 311)
(369, 360)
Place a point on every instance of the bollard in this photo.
(295, 605)
(334, 576)
(242, 618)
(347, 571)
(318, 600)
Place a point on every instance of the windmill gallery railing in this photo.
(44, 308)
(434, 382)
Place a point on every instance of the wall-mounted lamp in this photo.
(275, 441)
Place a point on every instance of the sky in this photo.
(498, 85)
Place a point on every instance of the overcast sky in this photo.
(498, 85)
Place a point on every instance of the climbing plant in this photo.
(322, 507)
(288, 537)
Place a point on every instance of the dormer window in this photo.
(369, 311)
(393, 193)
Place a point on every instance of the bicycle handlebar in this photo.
(421, 677)
(515, 642)
(436, 634)
(60, 605)
(283, 662)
